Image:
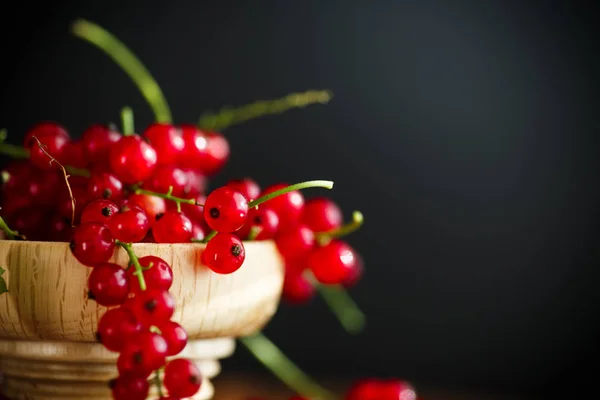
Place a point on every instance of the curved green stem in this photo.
(343, 306)
(10, 149)
(10, 234)
(127, 121)
(227, 117)
(139, 270)
(346, 229)
(211, 235)
(291, 188)
(116, 50)
(169, 196)
(283, 368)
(158, 383)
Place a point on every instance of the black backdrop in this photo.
(465, 131)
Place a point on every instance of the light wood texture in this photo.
(47, 298)
(67, 370)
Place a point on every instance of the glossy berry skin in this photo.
(246, 186)
(116, 327)
(132, 159)
(97, 141)
(175, 336)
(64, 205)
(224, 253)
(45, 128)
(143, 353)
(194, 212)
(322, 214)
(264, 220)
(54, 145)
(108, 284)
(74, 155)
(182, 378)
(365, 389)
(356, 272)
(287, 206)
(172, 227)
(225, 210)
(196, 183)
(332, 263)
(166, 176)
(167, 140)
(106, 186)
(297, 289)
(129, 225)
(393, 389)
(159, 274)
(130, 388)
(151, 205)
(205, 151)
(153, 306)
(295, 242)
(99, 210)
(198, 231)
(92, 243)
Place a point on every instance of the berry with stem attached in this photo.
(157, 274)
(115, 327)
(153, 306)
(152, 205)
(99, 210)
(143, 353)
(224, 253)
(129, 387)
(130, 224)
(175, 336)
(108, 284)
(42, 149)
(105, 185)
(246, 186)
(182, 378)
(92, 243)
(166, 177)
(288, 206)
(262, 224)
(225, 210)
(172, 227)
(132, 159)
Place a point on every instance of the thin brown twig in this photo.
(52, 159)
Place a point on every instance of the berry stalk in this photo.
(227, 117)
(158, 383)
(343, 306)
(10, 234)
(169, 196)
(139, 270)
(127, 121)
(291, 188)
(283, 368)
(357, 221)
(125, 58)
(10, 149)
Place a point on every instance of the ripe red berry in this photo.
(356, 272)
(99, 210)
(297, 289)
(196, 182)
(45, 128)
(105, 185)
(16, 174)
(60, 229)
(53, 144)
(365, 389)
(143, 353)
(198, 231)
(74, 155)
(130, 224)
(167, 140)
(40, 188)
(166, 176)
(132, 159)
(247, 186)
(157, 274)
(152, 205)
(116, 327)
(27, 221)
(225, 210)
(287, 206)
(394, 389)
(205, 151)
(153, 306)
(172, 227)
(194, 212)
(224, 253)
(182, 378)
(130, 388)
(264, 220)
(92, 243)
(332, 263)
(321, 215)
(295, 242)
(97, 141)
(175, 336)
(108, 285)
(64, 205)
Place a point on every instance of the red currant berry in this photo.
(153, 306)
(99, 210)
(182, 378)
(172, 227)
(157, 274)
(394, 389)
(287, 206)
(321, 215)
(45, 128)
(225, 210)
(332, 263)
(41, 188)
(216, 155)
(166, 176)
(74, 155)
(198, 231)
(365, 389)
(264, 220)
(152, 205)
(247, 186)
(297, 289)
(175, 336)
(116, 327)
(130, 224)
(106, 186)
(295, 242)
(108, 285)
(143, 353)
(356, 272)
(60, 229)
(132, 159)
(196, 182)
(224, 253)
(16, 174)
(130, 388)
(97, 141)
(92, 243)
(64, 205)
(167, 140)
(54, 145)
(205, 151)
(27, 221)
(194, 212)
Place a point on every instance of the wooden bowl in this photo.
(48, 326)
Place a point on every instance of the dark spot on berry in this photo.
(257, 220)
(159, 216)
(236, 250)
(112, 383)
(150, 305)
(214, 212)
(145, 139)
(195, 379)
(137, 357)
(106, 211)
(72, 245)
(91, 295)
(106, 193)
(98, 337)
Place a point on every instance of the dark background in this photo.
(466, 132)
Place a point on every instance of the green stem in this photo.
(357, 220)
(127, 121)
(254, 232)
(139, 270)
(10, 149)
(232, 116)
(77, 171)
(211, 235)
(169, 196)
(158, 384)
(283, 368)
(343, 306)
(291, 188)
(120, 54)
(10, 234)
